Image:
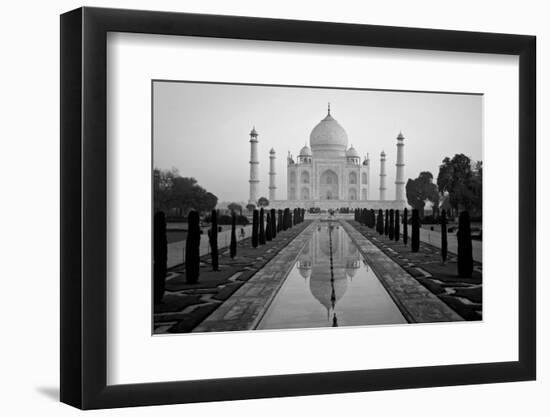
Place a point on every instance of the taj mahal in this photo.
(328, 174)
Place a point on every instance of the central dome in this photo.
(328, 137)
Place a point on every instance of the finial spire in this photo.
(329, 108)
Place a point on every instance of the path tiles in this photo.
(462, 294)
(244, 310)
(185, 306)
(416, 302)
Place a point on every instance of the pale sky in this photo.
(203, 130)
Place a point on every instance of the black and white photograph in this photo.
(291, 207)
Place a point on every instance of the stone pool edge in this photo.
(416, 303)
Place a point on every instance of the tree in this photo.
(268, 227)
(396, 230)
(415, 226)
(380, 222)
(173, 193)
(237, 208)
(255, 224)
(372, 219)
(233, 243)
(192, 248)
(273, 224)
(387, 222)
(286, 219)
(464, 237)
(391, 225)
(263, 202)
(262, 227)
(461, 179)
(405, 226)
(443, 221)
(280, 221)
(420, 190)
(251, 207)
(160, 256)
(213, 235)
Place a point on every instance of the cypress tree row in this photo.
(464, 237)
(405, 226)
(280, 221)
(262, 227)
(214, 241)
(415, 235)
(391, 225)
(273, 224)
(356, 214)
(380, 222)
(160, 255)
(268, 227)
(233, 242)
(290, 220)
(386, 222)
(192, 248)
(255, 224)
(396, 230)
(443, 221)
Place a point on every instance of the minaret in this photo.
(368, 176)
(272, 186)
(254, 176)
(400, 169)
(382, 176)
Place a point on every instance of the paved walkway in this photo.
(176, 250)
(184, 305)
(416, 302)
(434, 238)
(462, 294)
(244, 310)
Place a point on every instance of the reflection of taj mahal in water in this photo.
(314, 265)
(328, 174)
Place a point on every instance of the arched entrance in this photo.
(328, 189)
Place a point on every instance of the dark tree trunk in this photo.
(268, 227)
(262, 227)
(464, 235)
(192, 248)
(405, 226)
(443, 221)
(415, 236)
(160, 256)
(233, 243)
(273, 224)
(380, 222)
(214, 241)
(255, 221)
(396, 226)
(391, 225)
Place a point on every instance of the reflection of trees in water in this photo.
(314, 265)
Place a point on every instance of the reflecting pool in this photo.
(313, 296)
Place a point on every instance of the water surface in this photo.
(313, 297)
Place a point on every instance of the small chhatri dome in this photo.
(352, 153)
(383, 153)
(272, 151)
(253, 132)
(305, 151)
(400, 136)
(329, 136)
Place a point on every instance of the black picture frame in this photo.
(84, 207)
